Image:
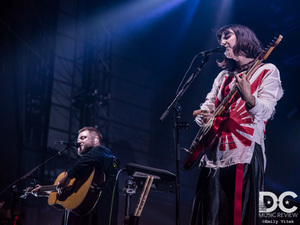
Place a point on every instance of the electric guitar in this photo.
(210, 128)
(80, 196)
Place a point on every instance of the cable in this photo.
(179, 86)
(113, 195)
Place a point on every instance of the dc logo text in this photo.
(270, 206)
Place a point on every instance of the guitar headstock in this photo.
(270, 47)
(27, 191)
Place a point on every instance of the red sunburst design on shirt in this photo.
(232, 124)
(233, 121)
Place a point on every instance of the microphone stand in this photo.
(183, 125)
(13, 185)
(33, 170)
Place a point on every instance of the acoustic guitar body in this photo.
(80, 196)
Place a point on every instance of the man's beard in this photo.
(86, 149)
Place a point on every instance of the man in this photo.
(94, 156)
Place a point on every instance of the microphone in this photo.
(74, 144)
(221, 49)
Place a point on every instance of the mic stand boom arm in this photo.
(33, 170)
(184, 87)
(177, 125)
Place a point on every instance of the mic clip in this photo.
(73, 144)
(219, 50)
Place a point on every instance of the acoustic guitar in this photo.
(80, 196)
(210, 128)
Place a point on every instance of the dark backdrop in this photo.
(151, 45)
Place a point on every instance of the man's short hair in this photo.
(93, 131)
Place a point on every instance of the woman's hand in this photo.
(202, 116)
(244, 89)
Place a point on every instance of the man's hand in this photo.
(63, 183)
(36, 191)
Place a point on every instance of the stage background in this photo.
(116, 65)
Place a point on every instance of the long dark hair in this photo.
(247, 44)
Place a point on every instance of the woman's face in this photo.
(228, 40)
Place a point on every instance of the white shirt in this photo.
(240, 129)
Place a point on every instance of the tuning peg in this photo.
(24, 196)
(33, 183)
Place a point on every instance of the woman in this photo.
(232, 168)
